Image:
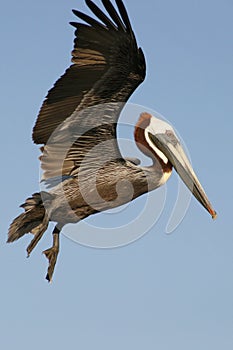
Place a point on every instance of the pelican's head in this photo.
(157, 139)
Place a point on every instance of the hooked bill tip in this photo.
(213, 214)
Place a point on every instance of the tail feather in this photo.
(33, 220)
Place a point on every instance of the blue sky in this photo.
(163, 291)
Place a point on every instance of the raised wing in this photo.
(83, 107)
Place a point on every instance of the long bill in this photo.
(170, 145)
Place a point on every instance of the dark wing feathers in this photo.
(114, 15)
(101, 15)
(87, 19)
(125, 18)
(107, 67)
(63, 99)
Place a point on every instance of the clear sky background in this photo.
(163, 291)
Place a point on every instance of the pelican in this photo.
(83, 168)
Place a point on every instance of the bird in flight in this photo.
(83, 168)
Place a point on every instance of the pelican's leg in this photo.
(52, 253)
(35, 240)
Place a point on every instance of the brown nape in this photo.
(140, 139)
(139, 134)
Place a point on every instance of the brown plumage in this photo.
(82, 165)
(107, 67)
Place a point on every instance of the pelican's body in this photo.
(83, 168)
(69, 203)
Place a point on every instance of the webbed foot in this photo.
(52, 253)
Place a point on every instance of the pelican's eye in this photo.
(172, 137)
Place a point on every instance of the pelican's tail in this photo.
(34, 220)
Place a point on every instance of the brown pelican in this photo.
(83, 167)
